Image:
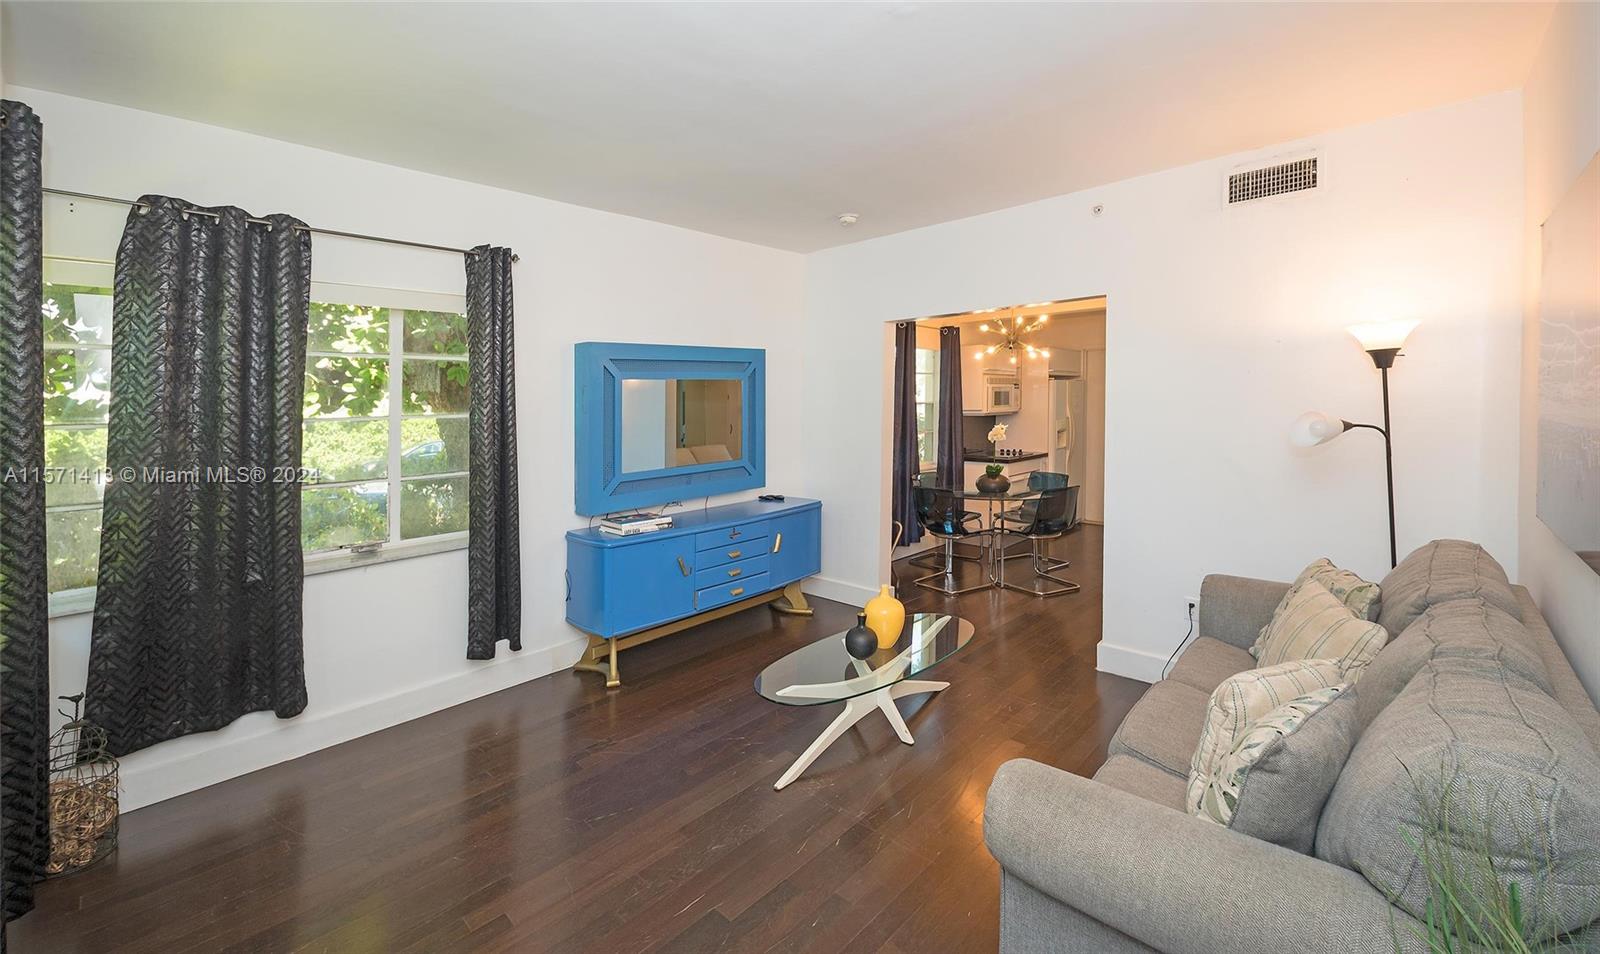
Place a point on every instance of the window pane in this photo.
(925, 448)
(924, 388)
(435, 387)
(77, 386)
(348, 329)
(346, 387)
(927, 360)
(338, 516)
(77, 314)
(75, 461)
(428, 507)
(433, 445)
(435, 332)
(335, 450)
(72, 547)
(927, 417)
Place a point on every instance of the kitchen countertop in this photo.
(988, 457)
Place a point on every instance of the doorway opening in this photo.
(1024, 410)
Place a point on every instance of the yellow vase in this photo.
(886, 616)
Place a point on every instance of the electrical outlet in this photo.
(1191, 608)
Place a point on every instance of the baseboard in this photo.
(838, 590)
(1125, 661)
(259, 740)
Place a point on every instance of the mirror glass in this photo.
(681, 422)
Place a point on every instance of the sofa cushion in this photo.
(1469, 629)
(1523, 784)
(1358, 595)
(1244, 698)
(1207, 662)
(1278, 795)
(1163, 727)
(1138, 777)
(1438, 572)
(1312, 623)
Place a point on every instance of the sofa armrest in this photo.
(1234, 608)
(1174, 882)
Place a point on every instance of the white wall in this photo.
(388, 643)
(1561, 131)
(1224, 325)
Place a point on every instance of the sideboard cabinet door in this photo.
(648, 582)
(796, 547)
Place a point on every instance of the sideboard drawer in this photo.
(728, 592)
(732, 553)
(732, 537)
(743, 569)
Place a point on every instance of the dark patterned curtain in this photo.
(902, 509)
(952, 442)
(24, 610)
(494, 563)
(197, 613)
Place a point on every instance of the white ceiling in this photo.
(765, 121)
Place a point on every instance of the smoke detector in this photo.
(848, 219)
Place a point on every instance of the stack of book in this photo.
(627, 526)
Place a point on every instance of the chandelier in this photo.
(1011, 333)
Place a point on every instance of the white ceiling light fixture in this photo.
(1011, 335)
(848, 219)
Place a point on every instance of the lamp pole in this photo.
(1383, 358)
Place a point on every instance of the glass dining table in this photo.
(994, 503)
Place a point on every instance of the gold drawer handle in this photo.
(736, 571)
(683, 567)
(735, 554)
(777, 543)
(736, 591)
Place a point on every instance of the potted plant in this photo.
(994, 479)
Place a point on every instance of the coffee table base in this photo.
(856, 709)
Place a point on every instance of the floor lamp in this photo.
(1382, 343)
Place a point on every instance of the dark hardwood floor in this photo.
(557, 816)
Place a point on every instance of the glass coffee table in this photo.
(823, 673)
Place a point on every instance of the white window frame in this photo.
(398, 301)
(932, 404)
(81, 600)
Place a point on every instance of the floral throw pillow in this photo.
(1245, 698)
(1218, 799)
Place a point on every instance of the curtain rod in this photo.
(307, 228)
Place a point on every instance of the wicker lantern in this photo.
(83, 795)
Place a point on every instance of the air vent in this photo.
(1281, 179)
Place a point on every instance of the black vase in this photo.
(859, 641)
(993, 484)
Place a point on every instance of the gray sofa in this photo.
(1471, 673)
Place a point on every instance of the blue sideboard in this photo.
(624, 591)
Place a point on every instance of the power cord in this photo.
(1193, 609)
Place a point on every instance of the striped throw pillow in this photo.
(1245, 698)
(1357, 594)
(1315, 624)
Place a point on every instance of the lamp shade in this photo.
(1313, 428)
(1381, 335)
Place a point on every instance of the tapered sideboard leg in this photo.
(793, 602)
(591, 660)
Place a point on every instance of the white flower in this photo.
(997, 433)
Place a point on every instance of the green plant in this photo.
(995, 470)
(1472, 906)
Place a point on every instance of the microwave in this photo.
(1002, 393)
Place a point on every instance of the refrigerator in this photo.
(1068, 414)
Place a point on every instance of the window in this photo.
(927, 399)
(385, 419)
(385, 431)
(76, 308)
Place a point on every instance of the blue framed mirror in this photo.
(657, 423)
